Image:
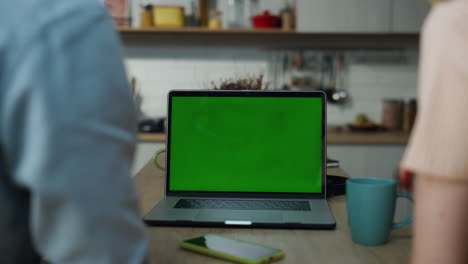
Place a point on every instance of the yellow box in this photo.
(168, 16)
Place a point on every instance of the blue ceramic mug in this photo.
(371, 208)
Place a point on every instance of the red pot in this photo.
(266, 20)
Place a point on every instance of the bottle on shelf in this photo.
(203, 12)
(191, 19)
(409, 115)
(146, 16)
(288, 16)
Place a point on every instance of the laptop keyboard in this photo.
(243, 204)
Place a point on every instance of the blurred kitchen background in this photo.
(362, 53)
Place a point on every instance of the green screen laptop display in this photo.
(246, 144)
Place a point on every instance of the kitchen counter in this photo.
(344, 137)
(377, 138)
(152, 137)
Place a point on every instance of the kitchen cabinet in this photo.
(361, 16)
(408, 15)
(344, 16)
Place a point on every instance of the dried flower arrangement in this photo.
(247, 83)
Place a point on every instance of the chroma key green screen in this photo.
(246, 144)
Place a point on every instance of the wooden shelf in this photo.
(154, 30)
(267, 38)
(347, 138)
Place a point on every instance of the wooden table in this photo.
(333, 137)
(301, 246)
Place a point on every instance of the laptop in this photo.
(245, 159)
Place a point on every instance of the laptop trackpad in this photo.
(238, 215)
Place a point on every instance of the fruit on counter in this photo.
(362, 123)
(361, 119)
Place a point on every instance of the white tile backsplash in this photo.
(161, 69)
(369, 84)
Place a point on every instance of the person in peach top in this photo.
(438, 149)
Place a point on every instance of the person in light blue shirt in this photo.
(67, 136)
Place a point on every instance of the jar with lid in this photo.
(215, 19)
(392, 114)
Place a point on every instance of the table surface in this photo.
(301, 246)
(344, 137)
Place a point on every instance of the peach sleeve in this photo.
(438, 145)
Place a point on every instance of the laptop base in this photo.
(164, 214)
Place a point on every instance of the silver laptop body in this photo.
(215, 177)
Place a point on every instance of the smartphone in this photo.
(232, 249)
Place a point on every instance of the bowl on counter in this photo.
(364, 127)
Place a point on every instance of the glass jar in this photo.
(215, 19)
(252, 8)
(235, 14)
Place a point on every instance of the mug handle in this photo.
(155, 159)
(410, 218)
